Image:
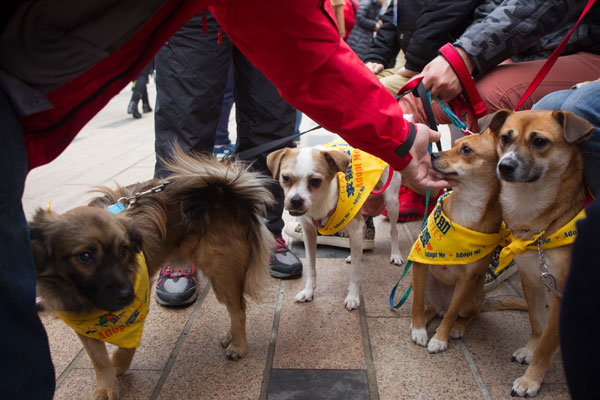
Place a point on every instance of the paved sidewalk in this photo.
(314, 350)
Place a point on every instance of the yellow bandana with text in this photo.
(122, 328)
(355, 185)
(564, 236)
(443, 242)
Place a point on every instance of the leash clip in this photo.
(546, 278)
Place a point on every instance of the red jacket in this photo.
(295, 43)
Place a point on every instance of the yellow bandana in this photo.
(564, 236)
(443, 242)
(122, 328)
(354, 186)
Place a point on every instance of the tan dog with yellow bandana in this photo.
(328, 186)
(542, 192)
(454, 250)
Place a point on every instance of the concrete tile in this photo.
(405, 370)
(318, 384)
(201, 370)
(320, 334)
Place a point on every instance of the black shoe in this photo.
(146, 108)
(284, 263)
(133, 110)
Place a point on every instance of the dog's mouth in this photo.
(296, 213)
(446, 173)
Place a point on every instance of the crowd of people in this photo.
(55, 76)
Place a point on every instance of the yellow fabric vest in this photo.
(122, 328)
(355, 185)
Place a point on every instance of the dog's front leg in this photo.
(121, 360)
(418, 330)
(106, 379)
(309, 234)
(355, 231)
(390, 198)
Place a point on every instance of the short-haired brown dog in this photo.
(542, 189)
(456, 291)
(209, 214)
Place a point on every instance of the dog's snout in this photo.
(296, 202)
(124, 294)
(508, 166)
(435, 156)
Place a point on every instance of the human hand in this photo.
(419, 172)
(440, 78)
(374, 67)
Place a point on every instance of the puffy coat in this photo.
(420, 28)
(361, 36)
(62, 64)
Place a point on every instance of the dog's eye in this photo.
(539, 142)
(85, 258)
(466, 150)
(314, 182)
(286, 179)
(123, 251)
(504, 139)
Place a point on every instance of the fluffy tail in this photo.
(504, 302)
(208, 189)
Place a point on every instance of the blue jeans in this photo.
(584, 103)
(26, 370)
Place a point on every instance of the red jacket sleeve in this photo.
(296, 44)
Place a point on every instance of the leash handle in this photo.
(539, 77)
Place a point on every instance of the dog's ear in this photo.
(337, 160)
(493, 121)
(133, 233)
(274, 161)
(575, 128)
(40, 229)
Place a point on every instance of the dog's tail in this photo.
(213, 193)
(504, 302)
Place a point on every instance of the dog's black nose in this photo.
(296, 202)
(508, 166)
(435, 156)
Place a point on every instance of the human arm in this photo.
(338, 11)
(302, 54)
(385, 47)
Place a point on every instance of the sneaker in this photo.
(39, 304)
(412, 204)
(491, 279)
(338, 239)
(176, 287)
(284, 263)
(223, 150)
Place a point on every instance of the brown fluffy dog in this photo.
(542, 189)
(209, 214)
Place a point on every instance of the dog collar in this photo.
(564, 236)
(443, 242)
(122, 328)
(355, 185)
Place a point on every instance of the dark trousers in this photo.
(140, 89)
(191, 77)
(26, 370)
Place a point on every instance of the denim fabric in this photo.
(26, 370)
(584, 103)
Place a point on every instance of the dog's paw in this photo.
(419, 336)
(457, 332)
(226, 339)
(351, 302)
(235, 352)
(436, 346)
(304, 296)
(348, 260)
(523, 356)
(105, 394)
(396, 259)
(524, 387)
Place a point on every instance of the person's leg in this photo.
(191, 74)
(223, 125)
(583, 102)
(26, 370)
(262, 116)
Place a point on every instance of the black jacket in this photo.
(423, 26)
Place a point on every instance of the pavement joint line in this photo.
(69, 368)
(408, 233)
(368, 351)
(474, 370)
(179, 344)
(272, 343)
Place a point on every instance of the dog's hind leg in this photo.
(356, 233)
(106, 379)
(234, 341)
(121, 360)
(390, 198)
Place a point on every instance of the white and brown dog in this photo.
(311, 180)
(542, 194)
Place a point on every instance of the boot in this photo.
(133, 110)
(146, 108)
